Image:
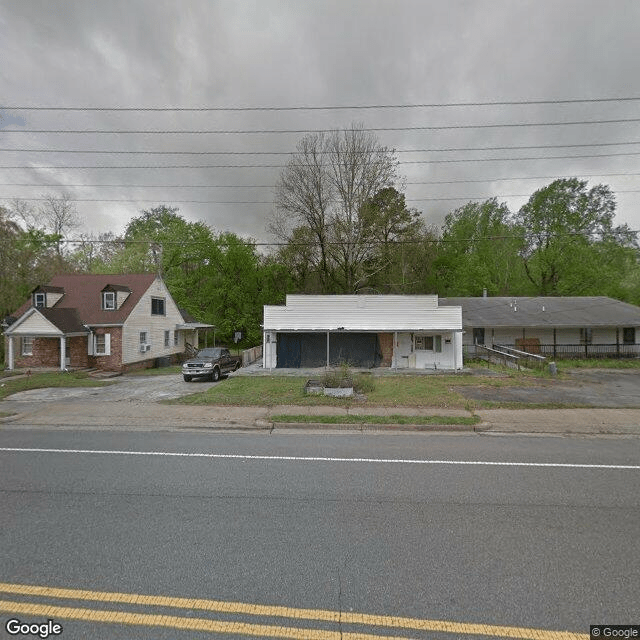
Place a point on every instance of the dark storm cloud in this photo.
(277, 53)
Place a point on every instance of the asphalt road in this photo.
(393, 525)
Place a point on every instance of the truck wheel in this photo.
(187, 378)
(215, 375)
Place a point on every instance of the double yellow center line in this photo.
(246, 609)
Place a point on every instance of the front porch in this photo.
(60, 352)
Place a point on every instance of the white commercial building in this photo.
(399, 331)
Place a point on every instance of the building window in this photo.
(108, 300)
(478, 335)
(143, 337)
(176, 339)
(167, 338)
(27, 346)
(40, 300)
(157, 306)
(428, 343)
(586, 335)
(629, 335)
(100, 344)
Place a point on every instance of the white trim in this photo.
(22, 351)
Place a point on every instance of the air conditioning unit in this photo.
(148, 347)
(143, 348)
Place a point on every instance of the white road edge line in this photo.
(239, 456)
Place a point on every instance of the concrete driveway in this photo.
(144, 389)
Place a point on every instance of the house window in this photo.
(478, 335)
(100, 344)
(40, 300)
(629, 335)
(176, 339)
(586, 335)
(143, 337)
(108, 300)
(157, 306)
(27, 346)
(167, 338)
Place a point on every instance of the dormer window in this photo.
(39, 300)
(108, 300)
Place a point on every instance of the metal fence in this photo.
(567, 351)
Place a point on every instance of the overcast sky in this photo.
(275, 53)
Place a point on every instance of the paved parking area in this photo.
(612, 388)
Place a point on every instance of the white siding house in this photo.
(154, 315)
(366, 330)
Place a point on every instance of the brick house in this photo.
(111, 322)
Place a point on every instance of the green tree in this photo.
(571, 244)
(480, 249)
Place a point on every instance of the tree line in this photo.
(343, 226)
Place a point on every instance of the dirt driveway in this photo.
(616, 388)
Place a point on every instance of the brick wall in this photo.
(46, 353)
(112, 362)
(78, 352)
(386, 346)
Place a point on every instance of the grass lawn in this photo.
(43, 380)
(599, 363)
(390, 391)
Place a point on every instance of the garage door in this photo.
(310, 349)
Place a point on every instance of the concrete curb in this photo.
(369, 426)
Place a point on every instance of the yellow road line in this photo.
(242, 608)
(175, 622)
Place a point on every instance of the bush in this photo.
(338, 378)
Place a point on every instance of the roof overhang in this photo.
(194, 325)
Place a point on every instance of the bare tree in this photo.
(323, 189)
(59, 215)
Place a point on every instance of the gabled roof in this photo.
(546, 311)
(64, 321)
(67, 320)
(82, 292)
(45, 288)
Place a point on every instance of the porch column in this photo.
(327, 349)
(395, 353)
(10, 353)
(63, 354)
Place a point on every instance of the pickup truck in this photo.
(210, 363)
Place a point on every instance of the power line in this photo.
(293, 153)
(298, 131)
(341, 243)
(281, 166)
(273, 186)
(244, 202)
(333, 107)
